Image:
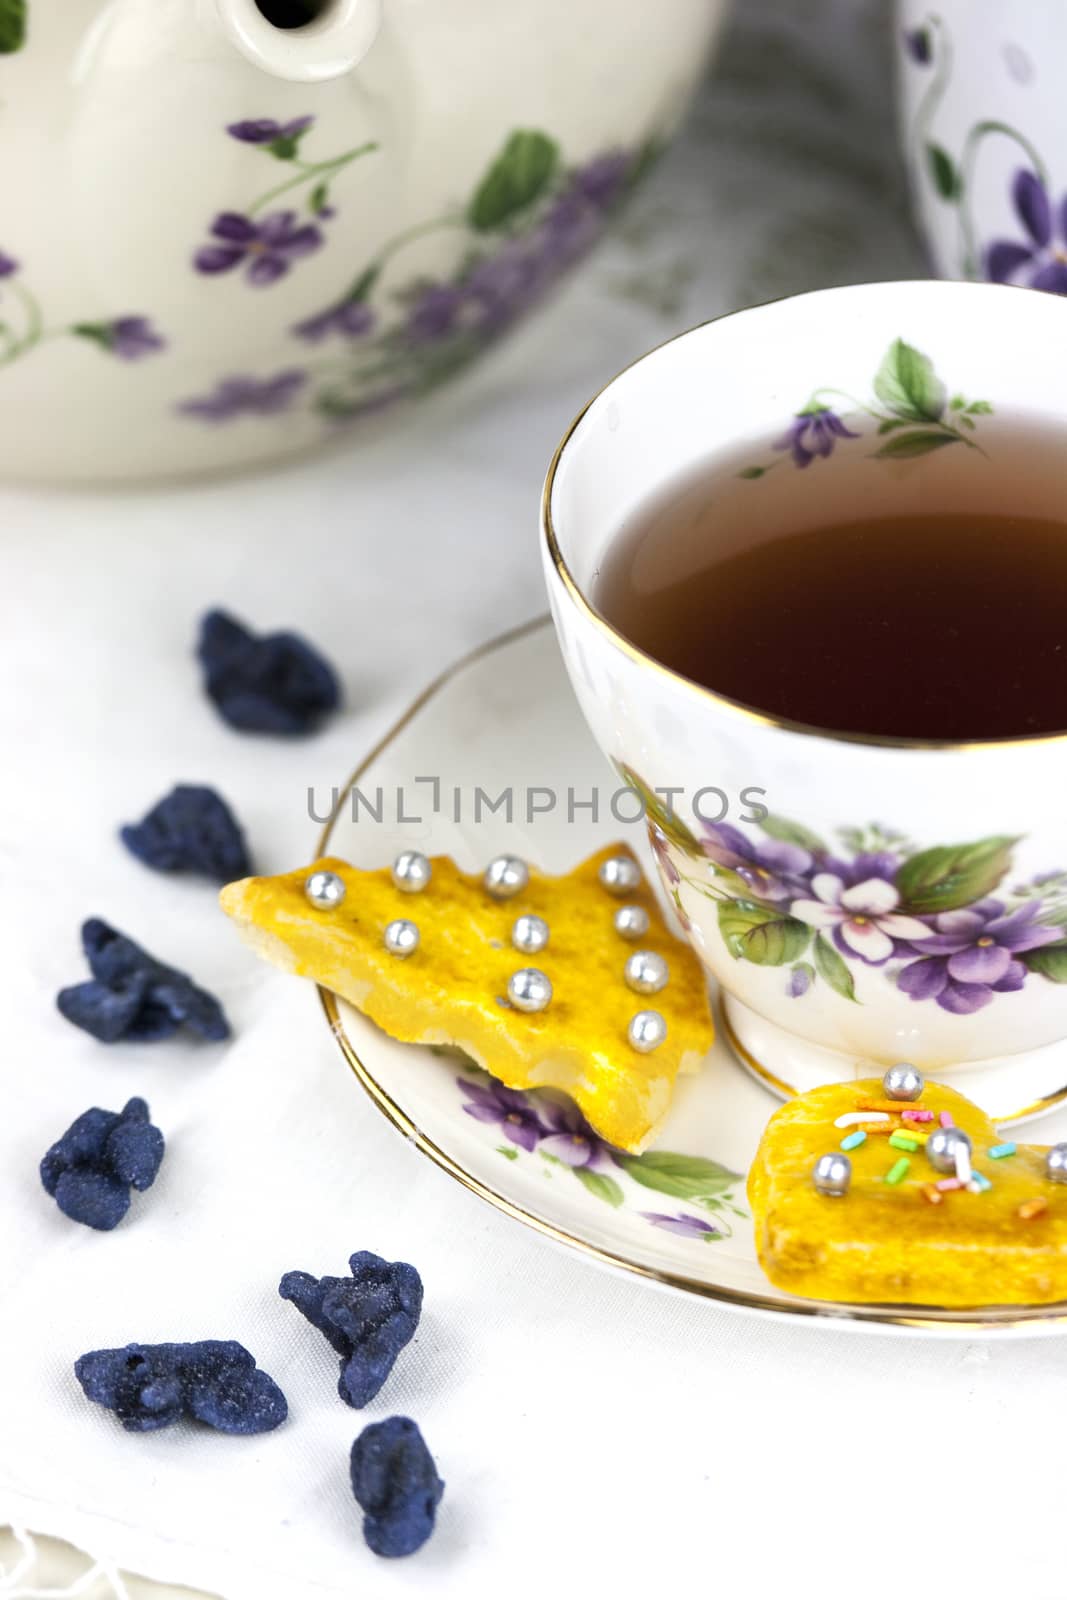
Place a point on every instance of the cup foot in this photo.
(1008, 1088)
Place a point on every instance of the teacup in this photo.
(904, 899)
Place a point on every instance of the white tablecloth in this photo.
(595, 1434)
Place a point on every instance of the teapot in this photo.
(232, 228)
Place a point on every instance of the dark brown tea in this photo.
(940, 626)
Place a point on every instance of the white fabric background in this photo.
(594, 1433)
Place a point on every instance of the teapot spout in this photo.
(306, 41)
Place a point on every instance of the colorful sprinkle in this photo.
(898, 1170)
(854, 1140)
(946, 1119)
(1032, 1208)
(947, 1184)
(997, 1152)
(932, 1193)
(917, 1116)
(979, 1183)
(893, 1107)
(963, 1165)
(903, 1141)
(851, 1117)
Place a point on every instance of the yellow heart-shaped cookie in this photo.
(905, 1234)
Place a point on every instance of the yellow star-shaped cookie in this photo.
(915, 1239)
(453, 990)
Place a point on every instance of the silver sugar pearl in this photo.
(646, 972)
(1056, 1164)
(832, 1174)
(903, 1082)
(412, 871)
(647, 1031)
(631, 922)
(941, 1148)
(530, 934)
(506, 876)
(325, 890)
(619, 875)
(529, 989)
(401, 937)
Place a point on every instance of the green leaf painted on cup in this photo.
(12, 26)
(907, 384)
(954, 875)
(946, 178)
(657, 811)
(508, 1151)
(1050, 961)
(684, 1177)
(600, 1185)
(904, 446)
(761, 934)
(518, 176)
(792, 833)
(832, 969)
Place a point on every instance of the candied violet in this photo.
(215, 1381)
(395, 1481)
(133, 996)
(91, 1169)
(368, 1318)
(271, 683)
(191, 829)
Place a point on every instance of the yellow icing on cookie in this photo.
(453, 989)
(896, 1243)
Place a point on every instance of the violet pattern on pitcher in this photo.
(547, 1129)
(1035, 255)
(528, 220)
(912, 413)
(947, 925)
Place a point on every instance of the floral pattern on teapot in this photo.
(530, 218)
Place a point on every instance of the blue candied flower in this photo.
(271, 683)
(192, 829)
(368, 1318)
(103, 1154)
(214, 1381)
(395, 1481)
(134, 996)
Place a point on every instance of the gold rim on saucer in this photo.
(928, 1318)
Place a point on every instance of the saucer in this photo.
(494, 756)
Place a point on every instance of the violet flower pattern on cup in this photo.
(910, 414)
(545, 1128)
(942, 924)
(384, 335)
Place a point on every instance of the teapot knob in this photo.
(334, 40)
